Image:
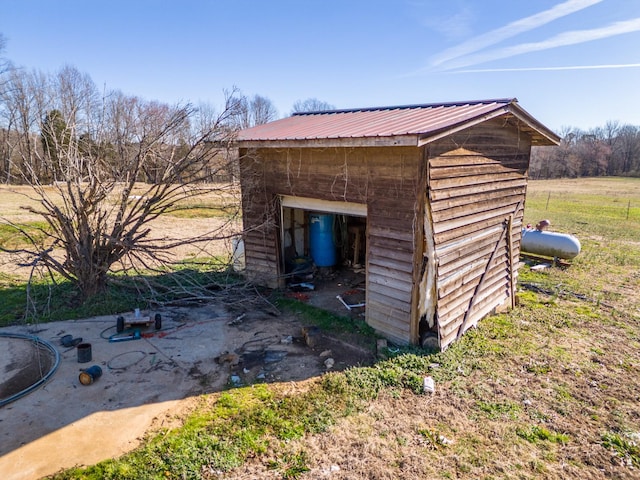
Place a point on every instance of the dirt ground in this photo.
(146, 383)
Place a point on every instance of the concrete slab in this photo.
(145, 383)
(57, 425)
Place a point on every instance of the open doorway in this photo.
(324, 253)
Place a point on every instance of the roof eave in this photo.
(410, 140)
(540, 135)
(432, 137)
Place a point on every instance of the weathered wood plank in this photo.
(389, 303)
(374, 251)
(392, 282)
(456, 277)
(474, 158)
(381, 231)
(450, 307)
(474, 180)
(436, 194)
(391, 265)
(466, 250)
(481, 255)
(476, 170)
(474, 218)
(449, 331)
(458, 297)
(390, 322)
(471, 228)
(495, 195)
(446, 248)
(443, 216)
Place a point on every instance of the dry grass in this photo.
(205, 219)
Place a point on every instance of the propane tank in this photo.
(550, 244)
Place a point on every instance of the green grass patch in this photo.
(535, 434)
(495, 410)
(52, 301)
(324, 319)
(608, 208)
(12, 236)
(47, 302)
(206, 211)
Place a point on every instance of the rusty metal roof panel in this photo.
(398, 121)
(370, 122)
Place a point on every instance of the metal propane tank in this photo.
(550, 244)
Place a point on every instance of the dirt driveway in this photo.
(149, 382)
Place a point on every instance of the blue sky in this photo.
(569, 62)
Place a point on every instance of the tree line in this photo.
(45, 117)
(612, 150)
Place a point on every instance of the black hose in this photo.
(32, 387)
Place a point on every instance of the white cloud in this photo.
(546, 69)
(561, 40)
(514, 28)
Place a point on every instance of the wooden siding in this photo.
(389, 180)
(476, 190)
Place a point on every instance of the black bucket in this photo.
(90, 375)
(84, 353)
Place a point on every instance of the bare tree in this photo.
(5, 65)
(311, 105)
(249, 112)
(629, 149)
(99, 210)
(593, 153)
(23, 100)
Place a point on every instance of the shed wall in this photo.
(388, 180)
(476, 187)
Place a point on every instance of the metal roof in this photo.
(395, 125)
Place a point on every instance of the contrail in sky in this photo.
(512, 29)
(544, 69)
(561, 40)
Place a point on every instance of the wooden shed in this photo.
(437, 190)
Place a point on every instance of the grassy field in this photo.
(546, 391)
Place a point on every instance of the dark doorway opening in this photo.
(324, 259)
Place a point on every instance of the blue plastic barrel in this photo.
(321, 243)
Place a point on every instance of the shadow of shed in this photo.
(435, 191)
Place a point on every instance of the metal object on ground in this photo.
(137, 320)
(84, 352)
(68, 341)
(134, 335)
(90, 375)
(350, 306)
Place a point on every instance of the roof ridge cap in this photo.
(407, 107)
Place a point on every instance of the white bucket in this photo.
(237, 244)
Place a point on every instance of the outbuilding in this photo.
(429, 199)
